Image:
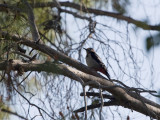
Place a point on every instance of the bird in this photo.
(94, 62)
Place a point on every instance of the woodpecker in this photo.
(94, 61)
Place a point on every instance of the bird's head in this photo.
(88, 50)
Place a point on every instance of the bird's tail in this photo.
(105, 72)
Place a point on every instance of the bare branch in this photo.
(51, 52)
(76, 15)
(85, 102)
(13, 113)
(20, 53)
(120, 93)
(138, 23)
(97, 95)
(138, 104)
(39, 108)
(110, 103)
(102, 103)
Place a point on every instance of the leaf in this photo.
(152, 41)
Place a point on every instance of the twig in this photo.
(83, 86)
(76, 15)
(138, 23)
(89, 107)
(118, 92)
(85, 102)
(24, 79)
(49, 41)
(102, 103)
(40, 109)
(13, 113)
(98, 95)
(22, 54)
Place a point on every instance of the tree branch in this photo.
(13, 113)
(61, 57)
(138, 23)
(97, 95)
(51, 52)
(31, 19)
(123, 98)
(76, 15)
(143, 25)
(90, 107)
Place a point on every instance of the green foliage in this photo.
(17, 23)
(87, 3)
(152, 41)
(5, 47)
(12, 20)
(4, 115)
(120, 5)
(41, 16)
(95, 101)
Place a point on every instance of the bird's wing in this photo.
(98, 59)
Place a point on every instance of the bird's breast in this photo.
(91, 62)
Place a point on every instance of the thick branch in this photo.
(138, 23)
(61, 57)
(51, 52)
(143, 25)
(76, 15)
(120, 94)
